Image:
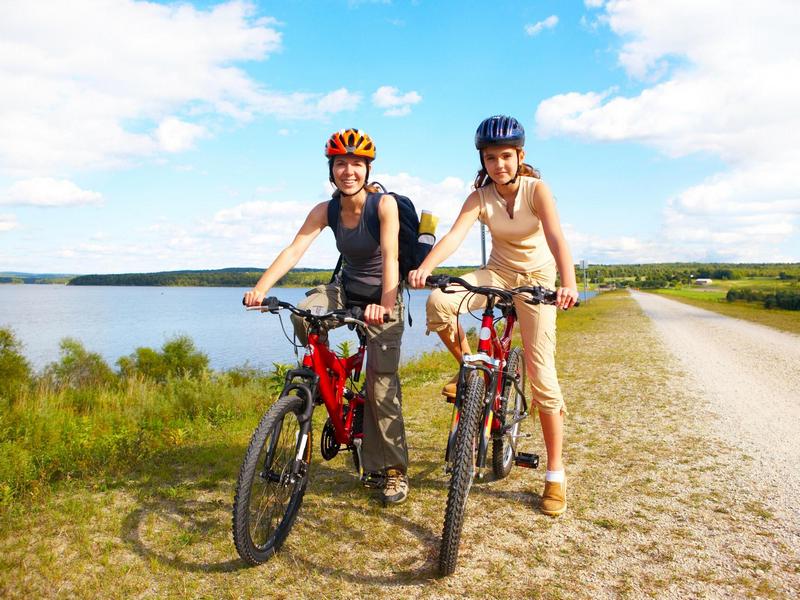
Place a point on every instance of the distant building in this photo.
(702, 281)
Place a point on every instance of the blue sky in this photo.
(141, 136)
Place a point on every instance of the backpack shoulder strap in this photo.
(371, 214)
(333, 221)
(334, 206)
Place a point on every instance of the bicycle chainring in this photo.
(330, 447)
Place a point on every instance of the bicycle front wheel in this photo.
(463, 472)
(271, 482)
(504, 447)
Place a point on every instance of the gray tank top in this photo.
(362, 254)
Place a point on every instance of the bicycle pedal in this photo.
(374, 481)
(527, 460)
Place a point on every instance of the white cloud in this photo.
(593, 3)
(46, 191)
(444, 199)
(253, 233)
(175, 135)
(8, 222)
(537, 28)
(337, 101)
(93, 83)
(397, 104)
(730, 91)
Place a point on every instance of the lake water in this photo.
(114, 321)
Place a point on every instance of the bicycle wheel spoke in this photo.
(268, 493)
(267, 509)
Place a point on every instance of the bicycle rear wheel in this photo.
(271, 482)
(463, 471)
(505, 447)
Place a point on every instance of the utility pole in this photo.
(483, 245)
(585, 282)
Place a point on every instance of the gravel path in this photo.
(750, 377)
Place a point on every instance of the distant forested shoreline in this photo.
(655, 275)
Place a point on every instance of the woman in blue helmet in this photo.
(528, 247)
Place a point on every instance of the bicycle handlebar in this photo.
(442, 281)
(538, 294)
(351, 316)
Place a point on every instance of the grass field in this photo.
(713, 298)
(656, 508)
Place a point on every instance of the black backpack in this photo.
(411, 252)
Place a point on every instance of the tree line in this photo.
(653, 275)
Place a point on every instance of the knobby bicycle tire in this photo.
(463, 472)
(266, 502)
(503, 447)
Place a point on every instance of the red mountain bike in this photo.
(489, 405)
(274, 473)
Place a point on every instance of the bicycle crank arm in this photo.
(507, 428)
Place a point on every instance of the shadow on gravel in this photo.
(185, 501)
(183, 518)
(350, 524)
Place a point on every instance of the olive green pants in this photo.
(384, 443)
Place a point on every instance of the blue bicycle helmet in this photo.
(499, 130)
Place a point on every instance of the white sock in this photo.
(556, 476)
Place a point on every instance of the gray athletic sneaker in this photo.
(396, 489)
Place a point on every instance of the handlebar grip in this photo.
(270, 302)
(385, 317)
(434, 281)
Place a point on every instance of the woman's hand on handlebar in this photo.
(253, 297)
(566, 297)
(417, 278)
(375, 314)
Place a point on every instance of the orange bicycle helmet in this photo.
(350, 141)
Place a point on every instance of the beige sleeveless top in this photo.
(518, 243)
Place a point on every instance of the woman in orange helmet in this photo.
(370, 278)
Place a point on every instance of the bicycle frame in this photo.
(322, 379)
(490, 359)
(331, 376)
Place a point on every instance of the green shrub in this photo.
(178, 358)
(15, 372)
(78, 368)
(788, 299)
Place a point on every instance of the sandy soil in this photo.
(749, 376)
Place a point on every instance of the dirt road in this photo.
(750, 377)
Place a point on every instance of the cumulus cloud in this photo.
(253, 233)
(46, 191)
(537, 28)
(84, 88)
(175, 135)
(397, 104)
(728, 91)
(8, 222)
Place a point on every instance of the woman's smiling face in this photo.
(349, 173)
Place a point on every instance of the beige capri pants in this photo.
(537, 325)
